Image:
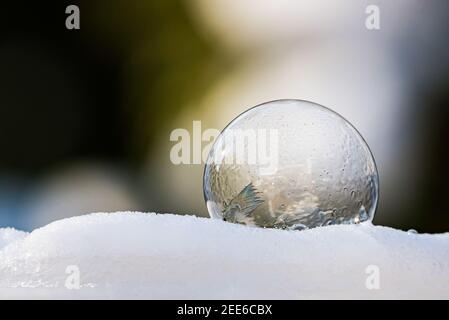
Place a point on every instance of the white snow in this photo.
(138, 255)
(8, 235)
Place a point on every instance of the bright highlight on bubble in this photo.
(290, 164)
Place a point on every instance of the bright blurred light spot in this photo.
(79, 190)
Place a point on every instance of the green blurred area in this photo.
(166, 64)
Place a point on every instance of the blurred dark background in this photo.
(85, 115)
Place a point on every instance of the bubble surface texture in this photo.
(290, 164)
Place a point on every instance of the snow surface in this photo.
(8, 235)
(146, 255)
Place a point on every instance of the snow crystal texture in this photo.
(128, 255)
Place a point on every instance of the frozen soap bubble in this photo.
(290, 164)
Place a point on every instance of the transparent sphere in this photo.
(290, 164)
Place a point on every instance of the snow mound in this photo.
(9, 235)
(147, 255)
